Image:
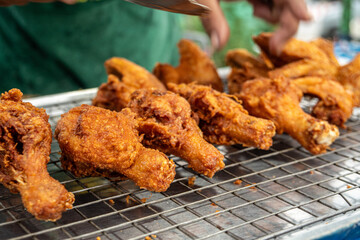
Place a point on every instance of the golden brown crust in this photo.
(335, 104)
(195, 66)
(132, 74)
(96, 141)
(244, 66)
(25, 146)
(349, 77)
(313, 67)
(327, 47)
(165, 121)
(124, 78)
(239, 58)
(298, 59)
(278, 100)
(113, 95)
(223, 120)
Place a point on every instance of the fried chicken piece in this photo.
(293, 50)
(240, 58)
(223, 120)
(124, 78)
(237, 77)
(195, 66)
(163, 127)
(132, 74)
(335, 104)
(166, 123)
(100, 142)
(25, 146)
(244, 66)
(113, 95)
(278, 100)
(328, 48)
(297, 59)
(349, 77)
(304, 68)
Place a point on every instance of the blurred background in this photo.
(332, 19)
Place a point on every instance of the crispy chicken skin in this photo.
(113, 95)
(244, 66)
(132, 74)
(237, 77)
(25, 146)
(328, 48)
(195, 66)
(297, 59)
(124, 77)
(100, 142)
(239, 58)
(335, 104)
(278, 100)
(223, 120)
(165, 121)
(349, 77)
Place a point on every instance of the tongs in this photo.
(190, 7)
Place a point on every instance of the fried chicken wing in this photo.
(335, 104)
(195, 66)
(124, 78)
(349, 77)
(278, 100)
(25, 146)
(165, 121)
(223, 120)
(100, 142)
(297, 59)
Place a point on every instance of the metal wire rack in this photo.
(259, 194)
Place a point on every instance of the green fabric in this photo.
(54, 47)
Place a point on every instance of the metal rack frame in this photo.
(282, 191)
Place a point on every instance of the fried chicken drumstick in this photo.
(278, 100)
(335, 104)
(223, 120)
(100, 142)
(25, 146)
(165, 121)
(124, 78)
(195, 66)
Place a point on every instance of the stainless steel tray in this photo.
(285, 192)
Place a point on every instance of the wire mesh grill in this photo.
(259, 194)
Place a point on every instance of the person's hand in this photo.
(5, 3)
(287, 13)
(215, 24)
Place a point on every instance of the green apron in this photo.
(54, 47)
